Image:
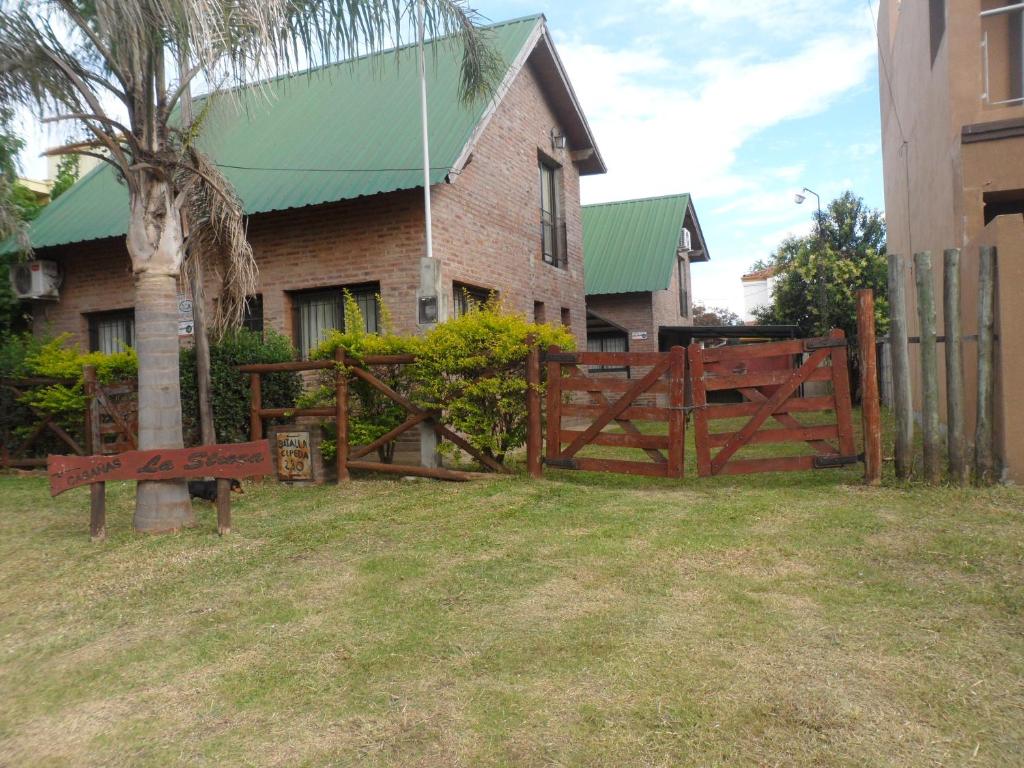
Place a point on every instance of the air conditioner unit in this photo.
(36, 280)
(685, 240)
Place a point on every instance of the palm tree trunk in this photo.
(155, 244)
(159, 506)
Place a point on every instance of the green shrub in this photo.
(58, 359)
(372, 414)
(15, 417)
(230, 389)
(473, 368)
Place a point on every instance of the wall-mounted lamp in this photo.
(557, 139)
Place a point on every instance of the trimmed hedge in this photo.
(230, 389)
(24, 356)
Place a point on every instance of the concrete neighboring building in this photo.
(329, 170)
(638, 255)
(757, 292)
(952, 93)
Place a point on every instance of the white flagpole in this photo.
(421, 25)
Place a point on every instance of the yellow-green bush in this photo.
(472, 370)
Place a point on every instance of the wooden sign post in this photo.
(224, 462)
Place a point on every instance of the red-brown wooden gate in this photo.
(663, 385)
(772, 394)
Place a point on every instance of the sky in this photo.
(741, 103)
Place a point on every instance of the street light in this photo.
(799, 199)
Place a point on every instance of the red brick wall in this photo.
(486, 227)
(632, 311)
(666, 303)
(487, 221)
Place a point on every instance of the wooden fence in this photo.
(350, 457)
(578, 392)
(961, 463)
(110, 423)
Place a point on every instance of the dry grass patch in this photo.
(579, 621)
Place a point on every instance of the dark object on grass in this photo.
(207, 489)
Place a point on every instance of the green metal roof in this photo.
(631, 245)
(339, 132)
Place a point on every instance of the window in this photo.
(253, 317)
(539, 314)
(316, 313)
(111, 332)
(566, 317)
(552, 227)
(937, 25)
(467, 296)
(608, 341)
(684, 289)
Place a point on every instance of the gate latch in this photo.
(562, 463)
(832, 462)
(812, 344)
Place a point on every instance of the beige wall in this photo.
(935, 185)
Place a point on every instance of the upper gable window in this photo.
(552, 224)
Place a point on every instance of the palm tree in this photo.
(118, 69)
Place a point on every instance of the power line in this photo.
(333, 170)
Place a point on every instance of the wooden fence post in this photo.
(255, 405)
(699, 397)
(341, 415)
(871, 415)
(929, 366)
(94, 445)
(554, 406)
(534, 438)
(677, 413)
(900, 368)
(955, 440)
(984, 466)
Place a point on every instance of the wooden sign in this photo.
(228, 461)
(294, 456)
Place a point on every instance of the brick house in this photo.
(638, 256)
(329, 169)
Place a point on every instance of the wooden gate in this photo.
(769, 393)
(596, 400)
(111, 420)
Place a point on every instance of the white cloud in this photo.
(669, 121)
(661, 136)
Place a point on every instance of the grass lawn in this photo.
(583, 620)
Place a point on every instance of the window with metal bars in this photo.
(253, 318)
(316, 313)
(552, 225)
(111, 332)
(468, 296)
(608, 341)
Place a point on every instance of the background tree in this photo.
(18, 206)
(67, 174)
(705, 315)
(817, 276)
(117, 69)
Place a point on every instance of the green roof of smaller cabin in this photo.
(631, 246)
(339, 132)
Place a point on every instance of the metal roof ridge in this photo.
(395, 49)
(675, 195)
